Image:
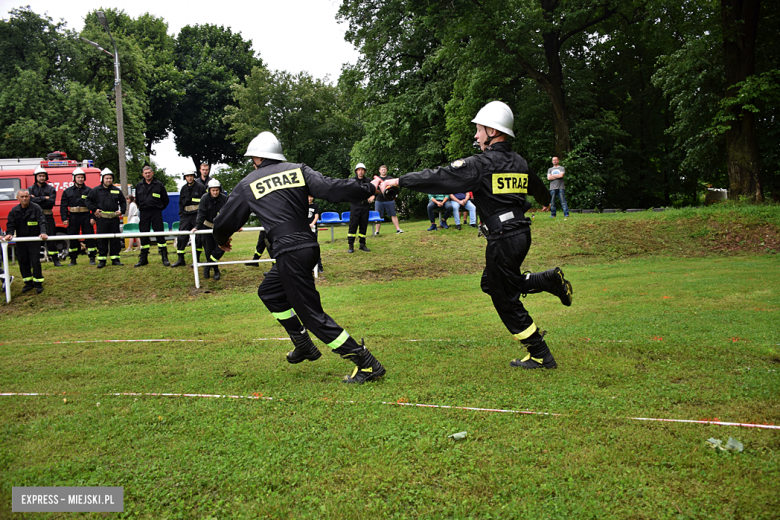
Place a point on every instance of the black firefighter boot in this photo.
(143, 259)
(91, 259)
(164, 255)
(367, 367)
(255, 257)
(304, 348)
(180, 262)
(206, 271)
(217, 274)
(351, 242)
(101, 263)
(73, 258)
(56, 259)
(539, 355)
(553, 282)
(363, 246)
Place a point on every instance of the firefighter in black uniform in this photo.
(208, 209)
(277, 192)
(500, 179)
(77, 217)
(189, 199)
(27, 220)
(108, 204)
(358, 213)
(45, 195)
(152, 198)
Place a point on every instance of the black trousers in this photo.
(29, 254)
(153, 220)
(51, 230)
(260, 247)
(108, 246)
(503, 281)
(212, 250)
(186, 223)
(289, 286)
(79, 222)
(358, 223)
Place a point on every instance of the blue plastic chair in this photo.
(373, 216)
(345, 217)
(330, 219)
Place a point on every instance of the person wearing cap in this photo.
(45, 195)
(108, 204)
(27, 220)
(190, 197)
(76, 216)
(358, 213)
(500, 180)
(277, 192)
(152, 198)
(208, 208)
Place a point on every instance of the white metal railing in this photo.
(195, 264)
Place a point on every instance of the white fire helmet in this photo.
(103, 173)
(265, 145)
(40, 169)
(498, 115)
(214, 183)
(79, 171)
(360, 165)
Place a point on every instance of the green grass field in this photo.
(676, 315)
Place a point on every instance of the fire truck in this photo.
(16, 174)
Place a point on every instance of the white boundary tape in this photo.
(417, 405)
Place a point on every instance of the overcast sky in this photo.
(291, 35)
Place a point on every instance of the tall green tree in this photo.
(211, 60)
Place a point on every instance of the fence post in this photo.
(6, 274)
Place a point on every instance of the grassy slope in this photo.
(669, 320)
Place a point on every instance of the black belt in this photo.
(286, 228)
(501, 222)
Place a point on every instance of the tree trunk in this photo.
(740, 28)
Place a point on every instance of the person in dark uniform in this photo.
(108, 204)
(500, 180)
(203, 177)
(314, 216)
(259, 248)
(76, 216)
(152, 198)
(358, 214)
(45, 195)
(277, 193)
(27, 220)
(189, 199)
(208, 209)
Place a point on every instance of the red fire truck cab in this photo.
(16, 174)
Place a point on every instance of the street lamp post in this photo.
(120, 124)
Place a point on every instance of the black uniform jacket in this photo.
(39, 193)
(73, 197)
(106, 199)
(152, 196)
(365, 181)
(26, 222)
(190, 195)
(208, 209)
(277, 192)
(205, 184)
(499, 178)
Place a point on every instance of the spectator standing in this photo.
(203, 177)
(459, 201)
(384, 206)
(189, 200)
(152, 199)
(555, 176)
(27, 220)
(45, 195)
(438, 201)
(314, 216)
(133, 217)
(208, 208)
(358, 214)
(108, 204)
(76, 216)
